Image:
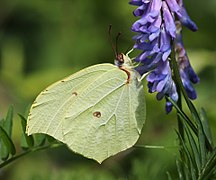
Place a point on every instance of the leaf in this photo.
(50, 139)
(202, 144)
(23, 142)
(98, 111)
(190, 159)
(194, 148)
(26, 141)
(180, 169)
(4, 154)
(209, 168)
(8, 123)
(7, 141)
(205, 124)
(169, 176)
(39, 139)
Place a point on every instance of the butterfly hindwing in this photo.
(103, 119)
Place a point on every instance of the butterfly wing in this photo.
(107, 116)
(48, 110)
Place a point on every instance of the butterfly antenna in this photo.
(111, 42)
(117, 40)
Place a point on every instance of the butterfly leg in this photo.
(142, 77)
(129, 52)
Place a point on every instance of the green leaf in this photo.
(50, 139)
(26, 141)
(205, 124)
(209, 168)
(2, 122)
(23, 142)
(8, 123)
(4, 154)
(202, 144)
(169, 176)
(39, 139)
(191, 163)
(7, 141)
(194, 148)
(180, 169)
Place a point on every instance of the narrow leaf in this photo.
(205, 124)
(188, 155)
(180, 170)
(8, 123)
(209, 168)
(4, 154)
(39, 139)
(50, 139)
(169, 176)
(7, 141)
(2, 122)
(194, 148)
(202, 144)
(29, 139)
(23, 142)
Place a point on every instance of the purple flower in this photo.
(160, 80)
(184, 17)
(157, 31)
(187, 73)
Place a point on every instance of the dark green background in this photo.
(42, 41)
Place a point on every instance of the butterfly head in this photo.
(123, 60)
(120, 59)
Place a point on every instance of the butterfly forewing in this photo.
(49, 109)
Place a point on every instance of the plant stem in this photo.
(176, 78)
(12, 159)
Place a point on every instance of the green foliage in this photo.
(197, 152)
(197, 159)
(7, 148)
(26, 141)
(6, 145)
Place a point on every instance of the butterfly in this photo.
(97, 112)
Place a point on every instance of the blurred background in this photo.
(42, 41)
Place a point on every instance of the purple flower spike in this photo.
(157, 31)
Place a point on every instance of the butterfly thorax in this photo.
(124, 63)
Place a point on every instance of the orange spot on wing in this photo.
(74, 93)
(97, 114)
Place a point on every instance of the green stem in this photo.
(28, 152)
(176, 78)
